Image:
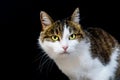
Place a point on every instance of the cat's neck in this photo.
(68, 60)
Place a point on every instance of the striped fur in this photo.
(103, 46)
(57, 29)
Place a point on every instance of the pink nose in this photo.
(65, 47)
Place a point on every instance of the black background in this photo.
(93, 14)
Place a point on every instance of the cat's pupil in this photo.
(72, 35)
(55, 37)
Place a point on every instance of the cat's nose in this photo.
(65, 47)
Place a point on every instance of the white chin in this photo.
(66, 53)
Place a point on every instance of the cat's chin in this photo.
(64, 53)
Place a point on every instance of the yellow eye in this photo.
(73, 36)
(55, 38)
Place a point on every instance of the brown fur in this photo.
(57, 29)
(102, 44)
(117, 77)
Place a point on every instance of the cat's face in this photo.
(60, 38)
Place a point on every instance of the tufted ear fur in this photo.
(76, 16)
(45, 19)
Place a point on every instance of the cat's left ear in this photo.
(76, 16)
(45, 19)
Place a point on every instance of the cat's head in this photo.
(60, 38)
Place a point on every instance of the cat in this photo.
(91, 54)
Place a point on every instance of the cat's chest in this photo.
(80, 66)
(70, 67)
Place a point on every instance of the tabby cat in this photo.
(91, 54)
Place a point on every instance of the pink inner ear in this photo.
(45, 19)
(76, 16)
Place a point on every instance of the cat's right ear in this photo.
(45, 19)
(76, 16)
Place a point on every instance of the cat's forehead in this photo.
(63, 24)
(59, 26)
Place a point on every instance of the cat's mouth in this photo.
(65, 53)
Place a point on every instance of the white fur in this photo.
(45, 19)
(78, 64)
(77, 18)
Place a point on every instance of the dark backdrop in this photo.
(93, 14)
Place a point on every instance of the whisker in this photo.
(52, 63)
(41, 66)
(41, 60)
(43, 57)
(48, 66)
(37, 57)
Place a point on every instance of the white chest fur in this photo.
(83, 67)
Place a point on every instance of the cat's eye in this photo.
(55, 38)
(73, 36)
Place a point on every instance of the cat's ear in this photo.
(45, 19)
(76, 16)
